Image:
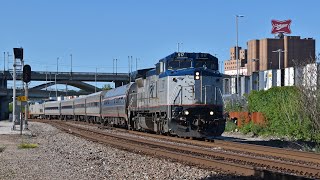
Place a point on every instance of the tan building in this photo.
(230, 66)
(294, 51)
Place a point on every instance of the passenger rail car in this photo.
(181, 96)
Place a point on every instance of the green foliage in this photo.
(254, 128)
(10, 107)
(27, 145)
(236, 105)
(106, 87)
(280, 105)
(317, 148)
(230, 126)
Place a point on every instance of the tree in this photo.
(307, 80)
(106, 87)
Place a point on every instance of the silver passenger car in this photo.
(52, 110)
(93, 104)
(80, 108)
(36, 110)
(114, 103)
(67, 111)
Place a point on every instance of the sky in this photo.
(96, 32)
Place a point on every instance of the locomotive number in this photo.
(180, 54)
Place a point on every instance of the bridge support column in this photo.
(4, 107)
(118, 83)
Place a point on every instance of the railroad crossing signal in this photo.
(22, 98)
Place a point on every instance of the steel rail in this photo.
(252, 148)
(256, 161)
(133, 146)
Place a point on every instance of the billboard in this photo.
(281, 26)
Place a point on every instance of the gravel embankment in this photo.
(64, 156)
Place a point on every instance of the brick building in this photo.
(293, 49)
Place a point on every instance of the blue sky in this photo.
(95, 32)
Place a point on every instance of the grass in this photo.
(230, 126)
(27, 146)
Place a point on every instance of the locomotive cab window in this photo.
(179, 64)
(205, 63)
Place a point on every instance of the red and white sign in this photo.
(281, 26)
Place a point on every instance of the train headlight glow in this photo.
(211, 113)
(196, 75)
(186, 113)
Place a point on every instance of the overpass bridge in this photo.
(118, 78)
(76, 79)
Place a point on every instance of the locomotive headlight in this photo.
(211, 113)
(197, 75)
(186, 113)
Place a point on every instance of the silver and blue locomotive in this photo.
(181, 96)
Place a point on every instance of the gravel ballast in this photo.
(61, 155)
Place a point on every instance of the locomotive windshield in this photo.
(205, 63)
(179, 64)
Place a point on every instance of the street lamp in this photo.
(179, 46)
(55, 79)
(71, 63)
(279, 51)
(115, 60)
(95, 80)
(237, 55)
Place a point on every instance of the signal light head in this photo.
(26, 75)
(197, 75)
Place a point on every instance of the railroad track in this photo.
(285, 154)
(205, 157)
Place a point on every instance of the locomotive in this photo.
(180, 96)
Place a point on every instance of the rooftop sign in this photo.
(281, 26)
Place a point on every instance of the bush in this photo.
(230, 126)
(251, 127)
(280, 106)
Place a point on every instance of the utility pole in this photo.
(71, 63)
(18, 54)
(14, 95)
(137, 64)
(21, 113)
(116, 66)
(55, 80)
(179, 46)
(237, 56)
(129, 69)
(4, 61)
(95, 80)
(279, 51)
(26, 93)
(131, 65)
